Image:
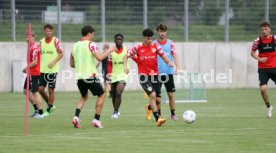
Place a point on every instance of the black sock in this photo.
(97, 116)
(149, 107)
(115, 112)
(77, 112)
(172, 112)
(267, 104)
(156, 115)
(49, 107)
(35, 107)
(159, 111)
(40, 111)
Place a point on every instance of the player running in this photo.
(83, 58)
(265, 44)
(145, 55)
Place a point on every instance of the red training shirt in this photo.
(35, 55)
(271, 56)
(146, 58)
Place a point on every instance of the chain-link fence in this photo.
(188, 20)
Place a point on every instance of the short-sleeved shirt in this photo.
(146, 58)
(117, 65)
(267, 50)
(49, 51)
(168, 48)
(85, 62)
(56, 43)
(35, 55)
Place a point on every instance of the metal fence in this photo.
(188, 20)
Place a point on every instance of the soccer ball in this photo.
(189, 116)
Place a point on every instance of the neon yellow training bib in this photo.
(48, 54)
(85, 62)
(118, 73)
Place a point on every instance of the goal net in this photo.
(190, 87)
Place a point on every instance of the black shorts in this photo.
(33, 83)
(266, 74)
(48, 78)
(168, 81)
(150, 84)
(106, 76)
(93, 84)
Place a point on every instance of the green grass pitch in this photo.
(232, 121)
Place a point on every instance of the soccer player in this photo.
(51, 53)
(34, 58)
(83, 58)
(265, 44)
(107, 86)
(145, 55)
(118, 76)
(165, 71)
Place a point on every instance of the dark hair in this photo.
(265, 24)
(118, 34)
(148, 33)
(49, 26)
(162, 27)
(87, 29)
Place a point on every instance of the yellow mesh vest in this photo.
(48, 54)
(118, 73)
(85, 63)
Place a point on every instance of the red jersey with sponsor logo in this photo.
(35, 55)
(266, 48)
(146, 58)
